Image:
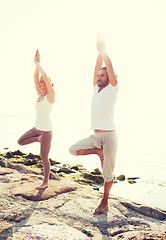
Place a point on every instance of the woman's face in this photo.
(42, 85)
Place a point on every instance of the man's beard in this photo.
(101, 83)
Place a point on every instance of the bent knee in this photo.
(72, 150)
(108, 178)
(19, 142)
(108, 174)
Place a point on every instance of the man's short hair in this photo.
(104, 68)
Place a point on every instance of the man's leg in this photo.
(97, 151)
(109, 152)
(90, 145)
(104, 202)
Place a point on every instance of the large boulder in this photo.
(28, 189)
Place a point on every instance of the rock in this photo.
(40, 165)
(9, 155)
(53, 162)
(96, 172)
(23, 169)
(46, 231)
(17, 160)
(4, 171)
(87, 178)
(142, 235)
(52, 175)
(19, 167)
(3, 162)
(30, 162)
(32, 156)
(28, 190)
(17, 216)
(75, 168)
(65, 170)
(145, 210)
(131, 181)
(133, 178)
(93, 177)
(53, 170)
(88, 233)
(115, 181)
(120, 177)
(66, 165)
(65, 209)
(81, 169)
(62, 174)
(18, 153)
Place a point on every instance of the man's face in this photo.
(102, 78)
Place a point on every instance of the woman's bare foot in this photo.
(101, 208)
(42, 186)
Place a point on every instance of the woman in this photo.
(42, 132)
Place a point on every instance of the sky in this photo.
(65, 33)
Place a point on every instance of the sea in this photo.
(141, 154)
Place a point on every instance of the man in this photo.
(104, 141)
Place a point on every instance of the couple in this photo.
(103, 142)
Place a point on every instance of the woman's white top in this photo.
(102, 107)
(43, 120)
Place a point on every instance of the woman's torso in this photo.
(43, 112)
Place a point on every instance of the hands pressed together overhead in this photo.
(100, 44)
(37, 56)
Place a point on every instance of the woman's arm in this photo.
(49, 85)
(36, 74)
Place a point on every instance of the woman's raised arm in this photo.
(49, 85)
(36, 73)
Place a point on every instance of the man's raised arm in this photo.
(101, 48)
(98, 65)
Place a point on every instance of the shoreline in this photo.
(75, 172)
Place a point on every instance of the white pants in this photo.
(105, 140)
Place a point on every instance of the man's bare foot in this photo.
(101, 156)
(101, 208)
(42, 186)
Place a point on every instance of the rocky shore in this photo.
(65, 209)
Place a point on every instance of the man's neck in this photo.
(100, 88)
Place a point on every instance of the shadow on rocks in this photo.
(8, 232)
(102, 224)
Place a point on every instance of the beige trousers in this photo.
(105, 140)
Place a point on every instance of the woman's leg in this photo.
(46, 138)
(29, 137)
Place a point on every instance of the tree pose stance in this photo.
(42, 132)
(104, 141)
